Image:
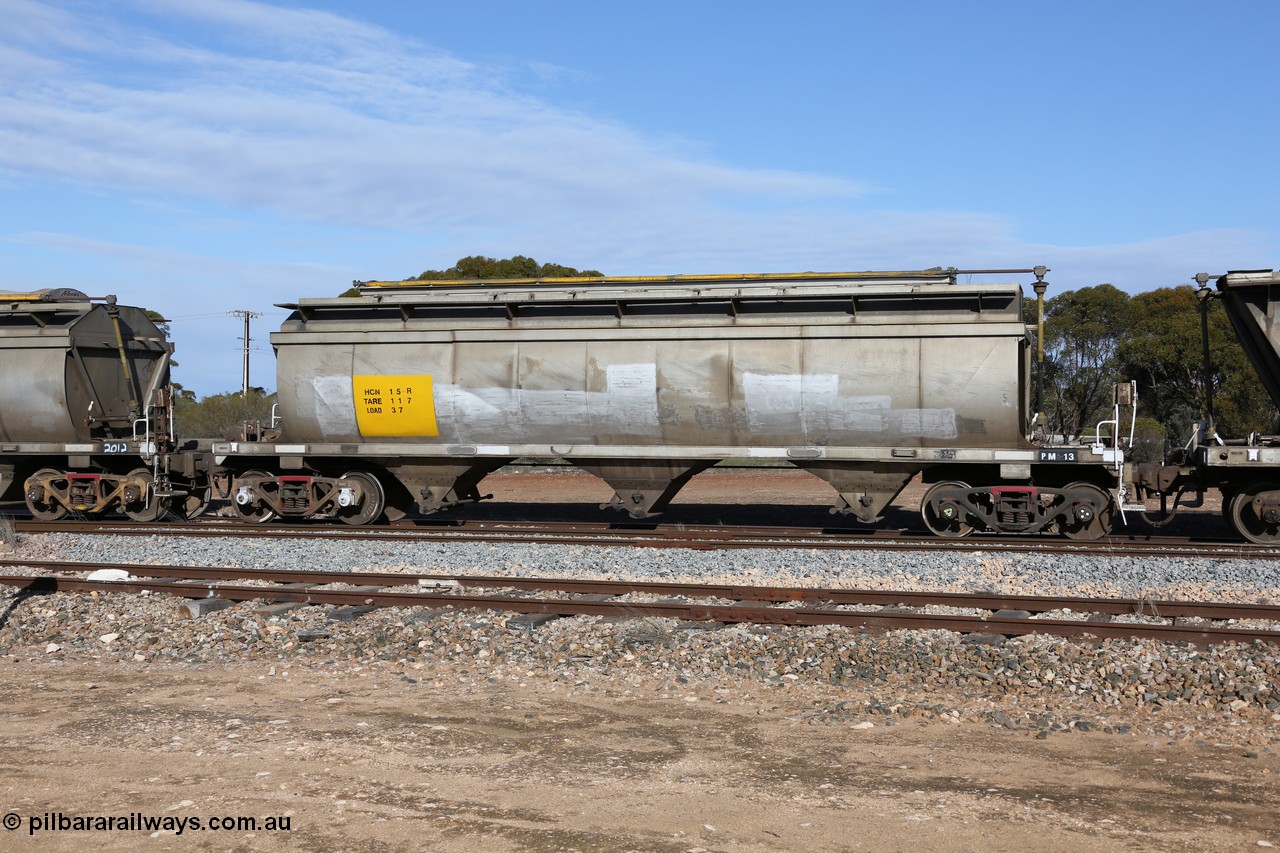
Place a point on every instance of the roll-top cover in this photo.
(64, 378)
(50, 294)
(1250, 297)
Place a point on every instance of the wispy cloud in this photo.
(318, 116)
(161, 261)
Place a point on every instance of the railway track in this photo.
(872, 610)
(698, 537)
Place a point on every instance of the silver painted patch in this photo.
(778, 402)
(629, 406)
(335, 405)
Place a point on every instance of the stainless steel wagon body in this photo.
(863, 379)
(85, 406)
(75, 369)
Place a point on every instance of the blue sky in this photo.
(203, 156)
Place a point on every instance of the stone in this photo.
(984, 639)
(529, 621)
(349, 614)
(1003, 719)
(197, 607)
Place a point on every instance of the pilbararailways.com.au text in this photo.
(139, 822)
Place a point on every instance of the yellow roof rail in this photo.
(669, 279)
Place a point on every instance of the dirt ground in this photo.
(408, 756)
(401, 759)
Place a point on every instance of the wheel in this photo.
(252, 510)
(372, 504)
(144, 506)
(1087, 520)
(1257, 521)
(949, 519)
(43, 505)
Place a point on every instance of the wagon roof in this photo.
(667, 288)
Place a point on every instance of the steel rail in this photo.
(690, 612)
(1000, 623)
(685, 536)
(1167, 608)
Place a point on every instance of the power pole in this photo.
(247, 315)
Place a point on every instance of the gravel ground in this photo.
(974, 571)
(1226, 692)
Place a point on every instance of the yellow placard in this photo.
(395, 405)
